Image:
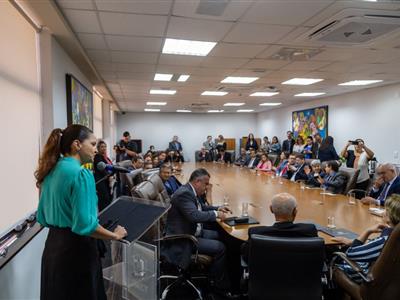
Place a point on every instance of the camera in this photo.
(354, 142)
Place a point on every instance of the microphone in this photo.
(101, 166)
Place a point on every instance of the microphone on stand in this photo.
(101, 166)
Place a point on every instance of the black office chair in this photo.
(285, 268)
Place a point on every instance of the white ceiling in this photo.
(124, 39)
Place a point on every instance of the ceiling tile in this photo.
(130, 24)
(223, 62)
(268, 64)
(184, 60)
(198, 30)
(232, 11)
(284, 12)
(92, 41)
(140, 68)
(81, 4)
(136, 76)
(304, 65)
(83, 20)
(104, 66)
(133, 57)
(256, 33)
(99, 55)
(206, 71)
(158, 7)
(138, 44)
(236, 50)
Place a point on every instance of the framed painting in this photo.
(310, 121)
(79, 103)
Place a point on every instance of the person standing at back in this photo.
(288, 144)
(251, 143)
(71, 266)
(126, 148)
(327, 151)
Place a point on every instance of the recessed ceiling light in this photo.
(183, 111)
(213, 93)
(302, 81)
(156, 103)
(215, 110)
(309, 94)
(151, 109)
(360, 82)
(186, 47)
(271, 104)
(264, 94)
(245, 110)
(163, 92)
(183, 78)
(234, 104)
(163, 77)
(245, 80)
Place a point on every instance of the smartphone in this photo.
(354, 142)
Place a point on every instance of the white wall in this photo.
(371, 114)
(158, 128)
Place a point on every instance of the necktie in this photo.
(382, 195)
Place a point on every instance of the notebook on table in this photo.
(233, 221)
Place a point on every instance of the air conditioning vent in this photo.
(355, 27)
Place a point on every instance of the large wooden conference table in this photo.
(245, 185)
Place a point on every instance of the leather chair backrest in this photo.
(147, 173)
(385, 272)
(352, 175)
(273, 158)
(285, 268)
(196, 155)
(145, 190)
(309, 161)
(125, 164)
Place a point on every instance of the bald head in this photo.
(283, 206)
(387, 172)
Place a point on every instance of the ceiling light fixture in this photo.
(309, 94)
(359, 82)
(302, 81)
(163, 77)
(163, 92)
(244, 80)
(264, 94)
(215, 110)
(183, 111)
(234, 104)
(156, 103)
(271, 104)
(213, 93)
(152, 109)
(245, 110)
(183, 78)
(187, 47)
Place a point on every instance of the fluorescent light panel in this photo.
(156, 103)
(302, 81)
(187, 47)
(215, 110)
(245, 110)
(271, 104)
(183, 78)
(151, 109)
(213, 93)
(234, 104)
(163, 92)
(360, 82)
(163, 77)
(183, 111)
(264, 94)
(244, 80)
(309, 94)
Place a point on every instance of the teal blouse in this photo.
(68, 198)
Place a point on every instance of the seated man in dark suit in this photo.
(253, 160)
(223, 156)
(387, 183)
(334, 181)
(187, 216)
(297, 172)
(171, 184)
(284, 207)
(242, 158)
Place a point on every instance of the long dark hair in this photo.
(327, 142)
(59, 142)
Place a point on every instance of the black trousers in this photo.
(362, 186)
(71, 267)
(210, 244)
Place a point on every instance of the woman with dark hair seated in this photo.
(365, 251)
(333, 181)
(264, 164)
(251, 143)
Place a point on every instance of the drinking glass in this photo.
(226, 200)
(331, 222)
(352, 198)
(245, 209)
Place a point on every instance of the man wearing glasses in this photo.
(386, 184)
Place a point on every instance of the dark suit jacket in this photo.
(254, 164)
(286, 147)
(183, 218)
(103, 188)
(300, 175)
(337, 183)
(253, 146)
(281, 229)
(227, 157)
(173, 147)
(394, 189)
(328, 153)
(314, 150)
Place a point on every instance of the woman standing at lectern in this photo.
(71, 267)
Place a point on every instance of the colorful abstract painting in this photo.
(79, 103)
(310, 121)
